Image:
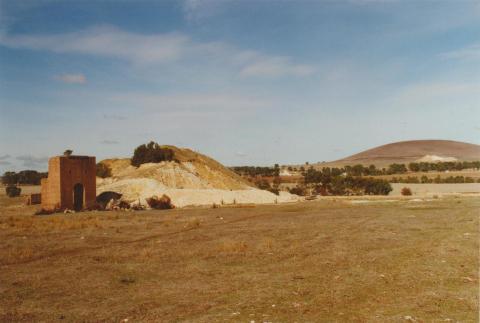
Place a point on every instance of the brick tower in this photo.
(70, 183)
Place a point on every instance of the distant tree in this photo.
(276, 169)
(377, 186)
(414, 167)
(298, 190)
(424, 180)
(357, 170)
(397, 169)
(31, 177)
(263, 184)
(10, 178)
(68, 152)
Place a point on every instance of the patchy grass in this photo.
(317, 261)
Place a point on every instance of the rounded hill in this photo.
(414, 150)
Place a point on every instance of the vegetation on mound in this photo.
(151, 153)
(103, 170)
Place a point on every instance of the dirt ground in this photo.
(437, 189)
(321, 261)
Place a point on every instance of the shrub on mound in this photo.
(103, 171)
(162, 203)
(151, 153)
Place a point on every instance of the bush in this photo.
(13, 191)
(263, 184)
(406, 191)
(275, 191)
(162, 203)
(151, 153)
(377, 186)
(298, 190)
(103, 171)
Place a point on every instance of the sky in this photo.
(245, 82)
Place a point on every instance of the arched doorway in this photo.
(78, 197)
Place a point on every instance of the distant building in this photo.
(71, 183)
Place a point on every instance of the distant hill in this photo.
(410, 151)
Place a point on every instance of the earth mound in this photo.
(192, 179)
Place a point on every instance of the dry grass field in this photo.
(322, 261)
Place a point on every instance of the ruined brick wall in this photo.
(63, 174)
(51, 198)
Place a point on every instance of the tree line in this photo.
(443, 166)
(361, 170)
(24, 177)
(395, 168)
(334, 182)
(437, 180)
(254, 171)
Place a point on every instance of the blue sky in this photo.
(246, 82)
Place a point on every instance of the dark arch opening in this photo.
(78, 197)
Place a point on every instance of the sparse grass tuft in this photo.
(229, 246)
(192, 223)
(266, 245)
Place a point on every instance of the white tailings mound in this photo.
(139, 189)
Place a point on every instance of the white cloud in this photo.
(275, 67)
(195, 10)
(468, 53)
(72, 78)
(140, 49)
(3, 157)
(106, 41)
